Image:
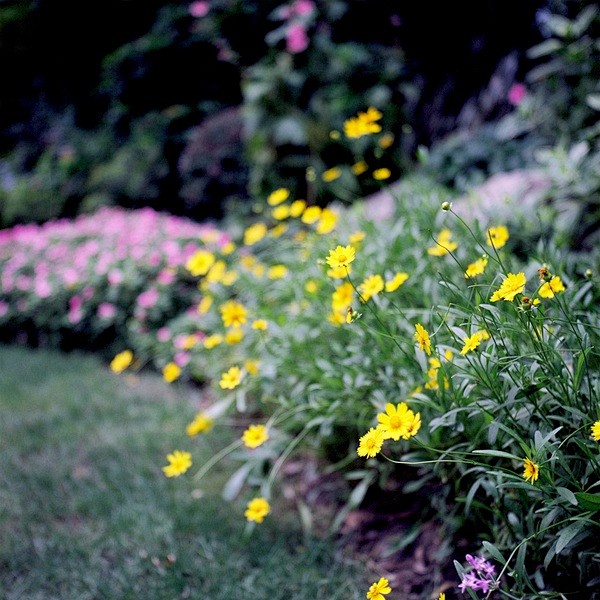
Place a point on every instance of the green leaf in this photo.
(498, 453)
(588, 501)
(567, 535)
(568, 495)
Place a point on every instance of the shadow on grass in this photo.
(86, 513)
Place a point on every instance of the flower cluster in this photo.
(480, 577)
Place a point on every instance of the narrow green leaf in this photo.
(567, 535)
(498, 453)
(588, 501)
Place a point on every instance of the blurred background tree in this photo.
(184, 106)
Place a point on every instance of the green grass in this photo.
(85, 511)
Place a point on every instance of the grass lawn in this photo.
(86, 512)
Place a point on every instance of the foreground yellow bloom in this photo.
(205, 304)
(342, 298)
(363, 124)
(231, 378)
(444, 244)
(497, 236)
(596, 431)
(370, 287)
(234, 335)
(179, 463)
(442, 596)
(297, 208)
(549, 288)
(278, 196)
(233, 313)
(423, 339)
(393, 284)
(513, 284)
(531, 470)
(477, 267)
(213, 340)
(281, 212)
(341, 256)
(370, 443)
(121, 361)
(257, 510)
(378, 590)
(255, 436)
(171, 372)
(359, 167)
(395, 421)
(200, 262)
(277, 272)
(201, 424)
(470, 343)
(254, 233)
(252, 366)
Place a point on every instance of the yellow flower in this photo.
(331, 174)
(357, 237)
(279, 230)
(477, 267)
(297, 208)
(311, 215)
(234, 336)
(171, 372)
(444, 244)
(337, 318)
(531, 470)
(470, 343)
(371, 286)
(252, 366)
(395, 420)
(342, 297)
(200, 262)
(413, 426)
(422, 337)
(260, 324)
(513, 284)
(381, 174)
(281, 212)
(231, 378)
(205, 304)
(201, 424)
(442, 596)
(233, 313)
(358, 168)
(370, 443)
(255, 436)
(277, 272)
(311, 286)
(257, 510)
(216, 272)
(339, 272)
(596, 431)
(497, 236)
(258, 270)
(378, 590)
(228, 248)
(179, 463)
(254, 233)
(386, 140)
(549, 288)
(278, 196)
(327, 221)
(341, 256)
(363, 124)
(188, 342)
(121, 361)
(212, 340)
(229, 278)
(393, 284)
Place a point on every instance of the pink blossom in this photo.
(303, 7)
(106, 310)
(75, 303)
(516, 94)
(166, 277)
(115, 277)
(181, 359)
(199, 9)
(148, 298)
(42, 288)
(296, 38)
(3, 308)
(163, 335)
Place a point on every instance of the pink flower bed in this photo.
(97, 272)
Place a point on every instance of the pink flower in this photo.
(163, 335)
(516, 94)
(115, 277)
(199, 9)
(166, 277)
(3, 308)
(106, 310)
(303, 7)
(42, 288)
(148, 298)
(296, 38)
(182, 358)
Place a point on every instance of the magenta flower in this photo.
(516, 94)
(296, 38)
(199, 9)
